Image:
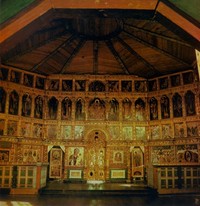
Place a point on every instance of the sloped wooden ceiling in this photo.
(100, 37)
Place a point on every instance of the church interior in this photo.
(100, 91)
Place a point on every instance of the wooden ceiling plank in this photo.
(133, 52)
(44, 6)
(72, 37)
(14, 53)
(69, 59)
(159, 35)
(155, 47)
(117, 56)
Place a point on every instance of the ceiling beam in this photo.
(104, 4)
(53, 52)
(69, 59)
(179, 20)
(27, 17)
(156, 48)
(133, 52)
(117, 56)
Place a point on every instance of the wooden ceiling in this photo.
(140, 42)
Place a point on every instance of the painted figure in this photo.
(190, 103)
(38, 112)
(28, 80)
(140, 86)
(152, 85)
(113, 86)
(140, 110)
(13, 103)
(66, 109)
(97, 86)
(79, 132)
(53, 108)
(136, 159)
(80, 85)
(75, 158)
(177, 105)
(153, 109)
(163, 83)
(114, 110)
(126, 86)
(26, 105)
(54, 85)
(165, 113)
(97, 109)
(126, 105)
(118, 157)
(188, 77)
(79, 113)
(67, 85)
(2, 100)
(175, 80)
(15, 77)
(39, 83)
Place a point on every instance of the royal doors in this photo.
(95, 161)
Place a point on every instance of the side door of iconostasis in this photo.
(56, 163)
(137, 162)
(95, 156)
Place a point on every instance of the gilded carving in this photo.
(100, 123)
(155, 132)
(166, 131)
(2, 126)
(12, 128)
(179, 129)
(38, 130)
(187, 153)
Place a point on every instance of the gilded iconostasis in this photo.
(109, 128)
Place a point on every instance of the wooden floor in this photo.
(96, 188)
(109, 200)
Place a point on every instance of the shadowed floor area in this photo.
(57, 200)
(59, 193)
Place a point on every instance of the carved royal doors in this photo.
(95, 161)
(55, 167)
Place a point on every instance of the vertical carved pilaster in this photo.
(183, 103)
(159, 107)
